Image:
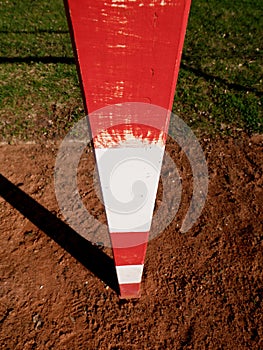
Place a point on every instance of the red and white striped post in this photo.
(128, 52)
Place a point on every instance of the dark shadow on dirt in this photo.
(87, 254)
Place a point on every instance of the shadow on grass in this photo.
(184, 65)
(208, 77)
(37, 31)
(82, 250)
(34, 59)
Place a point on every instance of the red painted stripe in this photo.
(130, 256)
(130, 290)
(129, 248)
(128, 51)
(128, 239)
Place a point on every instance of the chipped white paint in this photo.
(123, 21)
(156, 3)
(117, 46)
(125, 3)
(121, 32)
(126, 138)
(119, 5)
(119, 89)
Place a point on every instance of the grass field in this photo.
(219, 88)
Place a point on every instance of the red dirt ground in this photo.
(200, 290)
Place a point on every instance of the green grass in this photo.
(39, 94)
(220, 81)
(219, 88)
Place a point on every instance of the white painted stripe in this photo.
(129, 178)
(129, 273)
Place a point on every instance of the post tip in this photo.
(130, 291)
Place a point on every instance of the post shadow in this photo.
(36, 59)
(90, 256)
(213, 78)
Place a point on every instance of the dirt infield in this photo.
(200, 290)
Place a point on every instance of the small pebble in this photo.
(37, 321)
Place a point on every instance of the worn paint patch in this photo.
(129, 135)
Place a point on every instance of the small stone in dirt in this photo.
(72, 319)
(37, 321)
(100, 245)
(28, 233)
